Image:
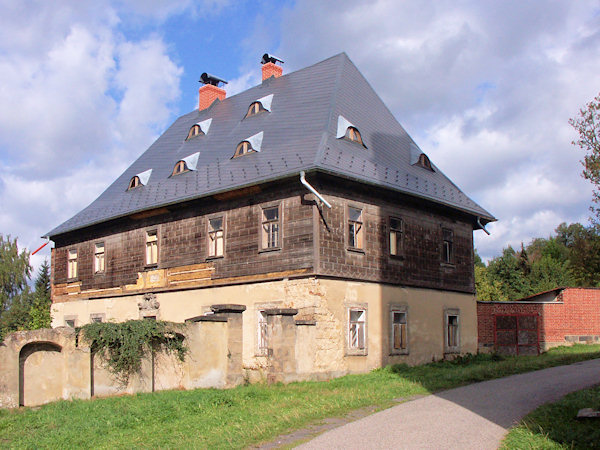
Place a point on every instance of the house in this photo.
(302, 195)
(561, 316)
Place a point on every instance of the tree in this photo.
(39, 313)
(14, 272)
(587, 124)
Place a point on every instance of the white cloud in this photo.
(78, 103)
(485, 88)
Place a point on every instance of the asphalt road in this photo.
(476, 416)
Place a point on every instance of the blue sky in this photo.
(485, 88)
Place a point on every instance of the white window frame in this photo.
(151, 247)
(451, 331)
(399, 309)
(216, 237)
(356, 330)
(72, 263)
(270, 229)
(99, 257)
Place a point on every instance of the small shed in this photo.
(562, 316)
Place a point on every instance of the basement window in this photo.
(243, 148)
(195, 131)
(399, 330)
(180, 167)
(215, 237)
(99, 260)
(72, 264)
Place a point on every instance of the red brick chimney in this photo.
(269, 68)
(211, 91)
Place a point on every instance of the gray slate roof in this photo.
(299, 133)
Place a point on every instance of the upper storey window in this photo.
(348, 131)
(254, 109)
(195, 131)
(250, 145)
(355, 228)
(199, 129)
(353, 134)
(261, 105)
(140, 179)
(180, 167)
(424, 162)
(186, 164)
(243, 148)
(135, 182)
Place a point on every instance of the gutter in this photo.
(313, 190)
(482, 225)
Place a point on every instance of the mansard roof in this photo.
(299, 132)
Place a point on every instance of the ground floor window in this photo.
(452, 331)
(357, 330)
(399, 330)
(262, 341)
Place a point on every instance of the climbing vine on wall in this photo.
(125, 344)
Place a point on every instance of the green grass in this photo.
(554, 426)
(251, 414)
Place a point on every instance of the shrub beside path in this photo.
(476, 416)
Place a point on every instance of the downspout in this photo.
(482, 226)
(313, 190)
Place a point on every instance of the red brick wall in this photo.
(486, 311)
(579, 315)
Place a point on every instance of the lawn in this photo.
(554, 426)
(251, 414)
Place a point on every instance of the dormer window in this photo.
(135, 182)
(424, 162)
(180, 167)
(352, 134)
(260, 105)
(255, 108)
(195, 131)
(243, 148)
(347, 130)
(252, 144)
(141, 179)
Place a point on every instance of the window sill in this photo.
(448, 265)
(72, 280)
(212, 258)
(151, 266)
(399, 353)
(356, 352)
(356, 250)
(269, 249)
(451, 351)
(399, 258)
(100, 274)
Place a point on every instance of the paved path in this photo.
(471, 417)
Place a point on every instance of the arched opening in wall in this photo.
(40, 373)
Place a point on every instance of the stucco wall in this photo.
(322, 347)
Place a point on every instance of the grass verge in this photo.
(248, 415)
(553, 426)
